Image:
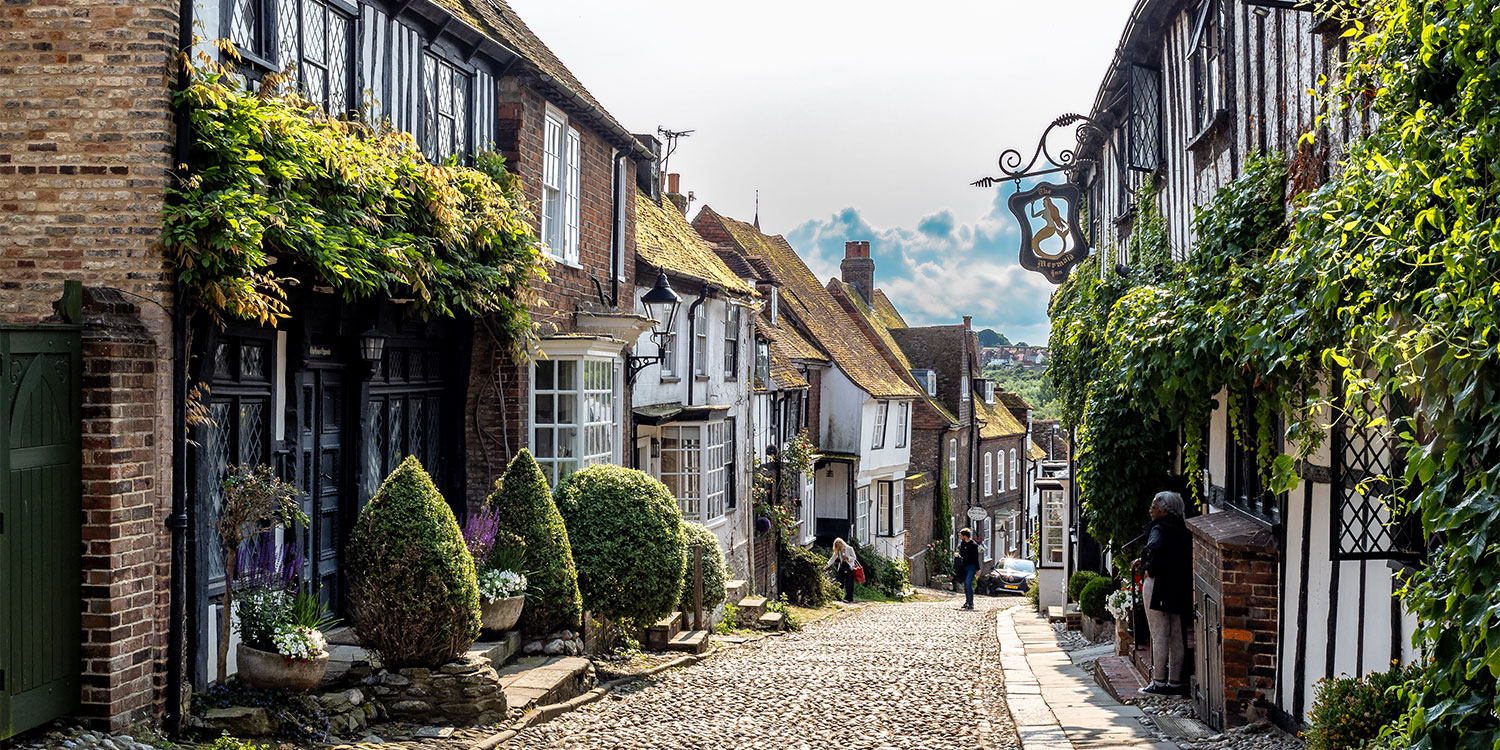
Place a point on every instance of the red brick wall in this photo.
(1234, 561)
(85, 144)
(497, 424)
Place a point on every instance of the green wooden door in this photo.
(40, 520)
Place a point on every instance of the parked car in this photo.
(1012, 575)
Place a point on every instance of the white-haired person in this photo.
(843, 561)
(1167, 591)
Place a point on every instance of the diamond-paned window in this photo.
(1143, 151)
(445, 107)
(313, 42)
(1371, 522)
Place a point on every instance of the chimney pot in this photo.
(851, 249)
(968, 319)
(674, 182)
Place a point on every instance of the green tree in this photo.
(715, 571)
(627, 540)
(524, 504)
(413, 596)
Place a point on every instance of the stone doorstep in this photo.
(691, 641)
(770, 621)
(1119, 677)
(345, 653)
(539, 681)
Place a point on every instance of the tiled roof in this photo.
(786, 376)
(816, 309)
(889, 316)
(998, 421)
(664, 238)
(497, 19)
(1012, 400)
(1033, 452)
(736, 263)
(875, 320)
(789, 341)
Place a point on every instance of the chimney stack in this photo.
(968, 322)
(674, 192)
(858, 268)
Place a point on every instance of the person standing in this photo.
(968, 561)
(1167, 591)
(843, 561)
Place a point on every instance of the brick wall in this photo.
(497, 421)
(86, 142)
(1234, 562)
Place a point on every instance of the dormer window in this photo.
(927, 379)
(989, 392)
(963, 389)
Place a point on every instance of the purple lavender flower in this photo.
(480, 531)
(263, 563)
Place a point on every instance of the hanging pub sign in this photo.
(1051, 241)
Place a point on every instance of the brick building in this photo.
(83, 190)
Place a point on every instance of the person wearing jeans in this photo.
(968, 560)
(1167, 591)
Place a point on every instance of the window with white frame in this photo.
(445, 107)
(775, 306)
(877, 438)
(903, 413)
(952, 462)
(963, 389)
(1052, 527)
(700, 341)
(573, 414)
(696, 467)
(862, 511)
(562, 171)
(999, 471)
(1013, 466)
(732, 342)
(763, 362)
(989, 392)
(1208, 51)
(883, 502)
(808, 509)
(666, 347)
(989, 473)
(989, 538)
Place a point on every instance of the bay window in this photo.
(573, 422)
(562, 171)
(877, 439)
(1052, 527)
(696, 467)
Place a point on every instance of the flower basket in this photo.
(268, 670)
(501, 614)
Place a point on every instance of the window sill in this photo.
(573, 264)
(1210, 131)
(716, 522)
(703, 378)
(670, 379)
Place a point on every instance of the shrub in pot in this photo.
(715, 571)
(1078, 581)
(523, 503)
(627, 540)
(499, 559)
(1092, 601)
(413, 594)
(282, 646)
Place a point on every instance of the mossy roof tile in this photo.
(998, 421)
(665, 239)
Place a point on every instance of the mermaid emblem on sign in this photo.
(1051, 242)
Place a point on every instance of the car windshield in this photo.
(1020, 566)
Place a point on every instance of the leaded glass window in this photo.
(312, 47)
(445, 107)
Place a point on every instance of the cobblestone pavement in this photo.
(911, 676)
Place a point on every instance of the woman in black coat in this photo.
(1167, 590)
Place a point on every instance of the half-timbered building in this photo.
(1294, 587)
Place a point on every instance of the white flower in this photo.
(298, 642)
(501, 584)
(1120, 603)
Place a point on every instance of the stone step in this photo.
(543, 680)
(662, 633)
(736, 590)
(1056, 614)
(770, 621)
(751, 608)
(691, 641)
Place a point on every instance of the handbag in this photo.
(859, 574)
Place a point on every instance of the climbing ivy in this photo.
(275, 193)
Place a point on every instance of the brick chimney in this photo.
(858, 268)
(674, 192)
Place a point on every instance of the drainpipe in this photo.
(692, 358)
(178, 521)
(617, 257)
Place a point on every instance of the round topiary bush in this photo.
(523, 502)
(627, 542)
(715, 571)
(1092, 601)
(1078, 581)
(413, 597)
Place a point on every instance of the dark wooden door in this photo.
(40, 518)
(1209, 662)
(325, 403)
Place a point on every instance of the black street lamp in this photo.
(661, 306)
(372, 347)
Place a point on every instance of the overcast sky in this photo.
(856, 120)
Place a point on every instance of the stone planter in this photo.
(263, 669)
(1097, 630)
(501, 614)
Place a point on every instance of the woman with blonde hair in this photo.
(843, 562)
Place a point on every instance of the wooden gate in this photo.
(40, 518)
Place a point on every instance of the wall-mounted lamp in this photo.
(372, 347)
(661, 306)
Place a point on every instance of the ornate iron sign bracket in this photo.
(1058, 244)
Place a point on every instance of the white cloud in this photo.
(942, 270)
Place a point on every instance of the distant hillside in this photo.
(988, 337)
(1030, 384)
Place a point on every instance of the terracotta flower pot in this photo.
(501, 614)
(264, 669)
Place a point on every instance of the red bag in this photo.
(859, 574)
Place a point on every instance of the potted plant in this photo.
(255, 504)
(281, 626)
(1121, 604)
(498, 557)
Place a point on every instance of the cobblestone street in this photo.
(917, 675)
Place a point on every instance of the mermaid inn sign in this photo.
(1052, 241)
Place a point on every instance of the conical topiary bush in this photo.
(413, 596)
(627, 540)
(523, 501)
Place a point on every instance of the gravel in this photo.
(79, 738)
(1259, 735)
(916, 675)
